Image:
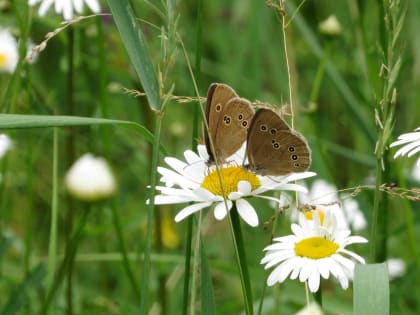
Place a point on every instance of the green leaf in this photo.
(137, 50)
(19, 296)
(371, 289)
(15, 121)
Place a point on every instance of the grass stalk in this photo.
(70, 147)
(144, 293)
(52, 243)
(390, 25)
(102, 68)
(194, 136)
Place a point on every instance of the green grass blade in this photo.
(15, 121)
(208, 306)
(19, 297)
(52, 244)
(371, 289)
(137, 50)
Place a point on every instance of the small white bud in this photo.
(330, 26)
(5, 144)
(90, 179)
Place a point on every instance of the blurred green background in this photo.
(336, 86)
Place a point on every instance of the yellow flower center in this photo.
(315, 247)
(309, 215)
(231, 176)
(3, 59)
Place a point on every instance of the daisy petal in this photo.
(190, 210)
(220, 211)
(166, 200)
(244, 187)
(93, 5)
(247, 212)
(314, 279)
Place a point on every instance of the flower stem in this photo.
(273, 232)
(241, 259)
(187, 265)
(195, 265)
(318, 295)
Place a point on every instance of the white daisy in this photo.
(66, 7)
(197, 182)
(316, 249)
(410, 142)
(324, 196)
(8, 52)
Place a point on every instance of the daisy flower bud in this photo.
(330, 26)
(90, 179)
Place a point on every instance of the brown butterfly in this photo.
(228, 117)
(273, 148)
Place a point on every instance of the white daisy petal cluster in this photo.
(9, 54)
(195, 181)
(324, 196)
(317, 248)
(410, 144)
(65, 7)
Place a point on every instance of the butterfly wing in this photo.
(228, 118)
(273, 148)
(231, 130)
(218, 96)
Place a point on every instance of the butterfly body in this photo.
(273, 148)
(228, 118)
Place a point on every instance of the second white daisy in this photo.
(315, 249)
